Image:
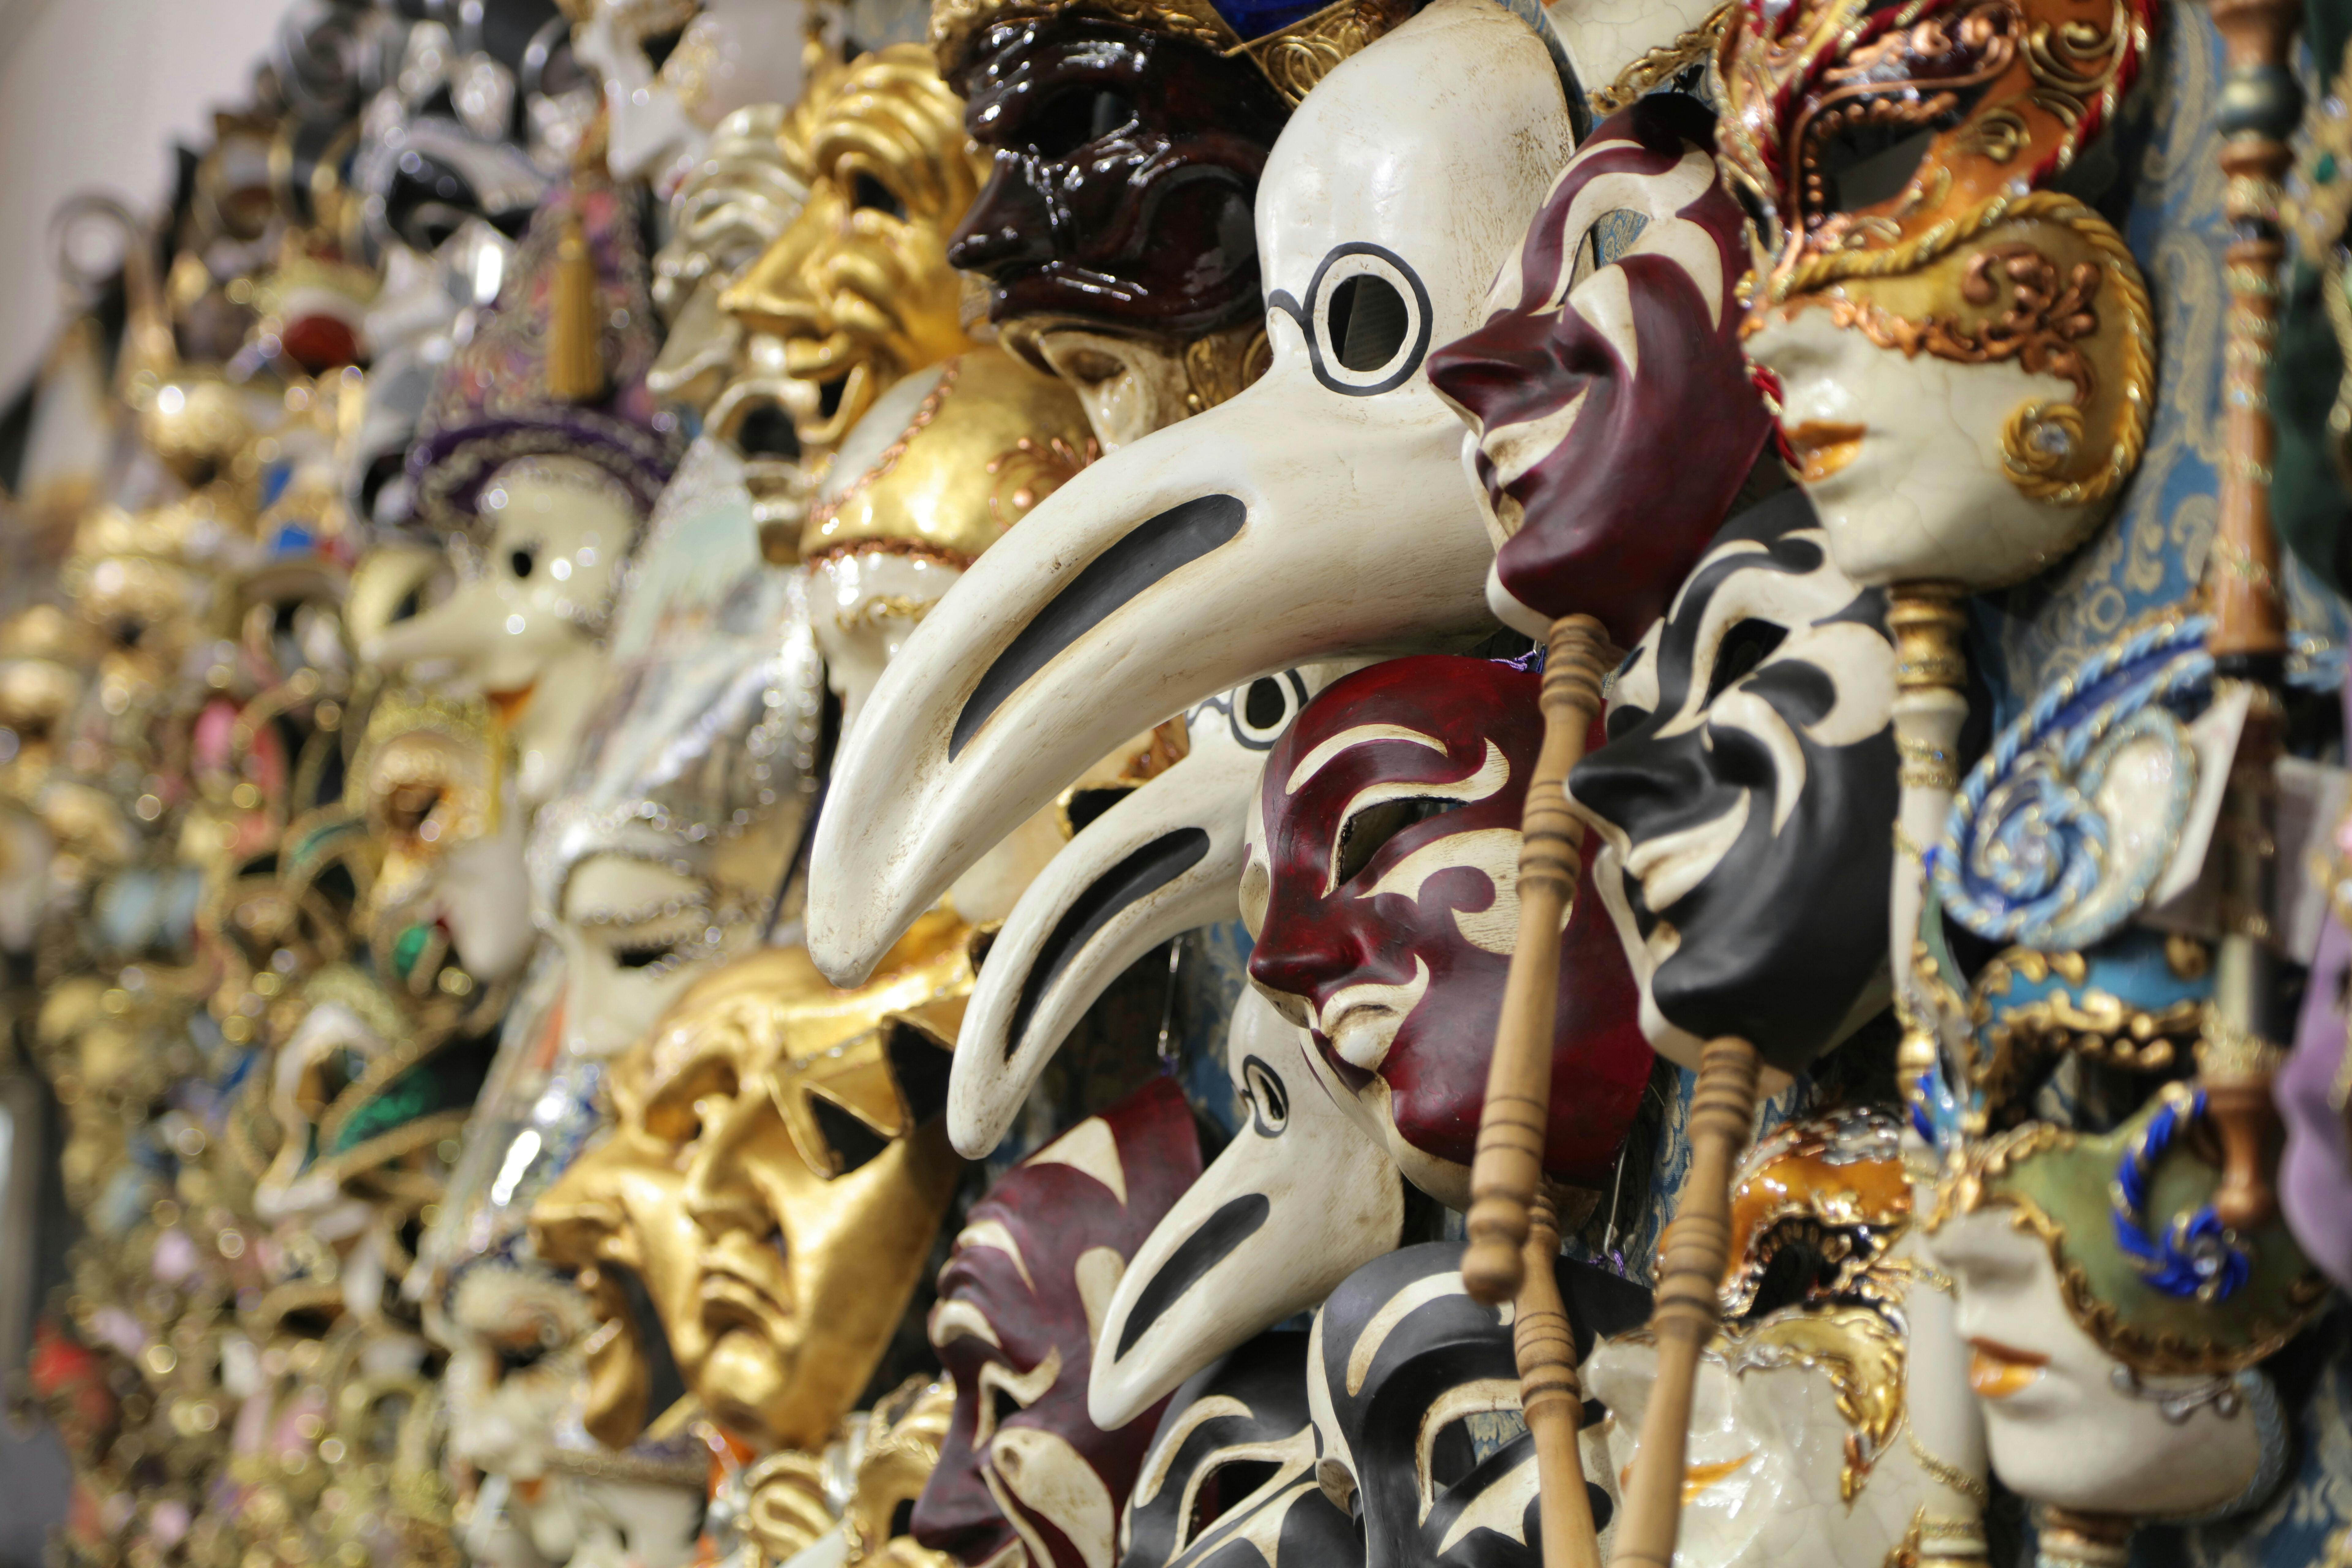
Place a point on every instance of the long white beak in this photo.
(1165, 859)
(1286, 526)
(1300, 1200)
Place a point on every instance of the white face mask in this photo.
(1301, 1198)
(660, 111)
(1178, 566)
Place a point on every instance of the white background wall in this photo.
(92, 93)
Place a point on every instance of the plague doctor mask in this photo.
(1382, 891)
(1025, 1475)
(1168, 572)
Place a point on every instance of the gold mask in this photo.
(777, 1180)
(859, 291)
(426, 780)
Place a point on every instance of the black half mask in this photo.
(1127, 168)
(1747, 796)
(1415, 1392)
(1230, 1477)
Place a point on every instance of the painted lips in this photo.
(1997, 1371)
(1822, 449)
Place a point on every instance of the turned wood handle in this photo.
(1508, 1164)
(1690, 1269)
(1551, 1398)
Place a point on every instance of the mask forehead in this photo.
(1407, 721)
(1383, 164)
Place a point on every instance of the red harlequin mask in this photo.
(1023, 1474)
(1383, 886)
(1571, 393)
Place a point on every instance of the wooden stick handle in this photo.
(1690, 1271)
(1508, 1165)
(2249, 641)
(1551, 1398)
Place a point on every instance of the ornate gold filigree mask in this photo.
(1910, 275)
(776, 1179)
(859, 291)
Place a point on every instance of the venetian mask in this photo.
(775, 1181)
(859, 291)
(1161, 860)
(429, 779)
(674, 69)
(2116, 1324)
(1025, 1475)
(1114, 228)
(1232, 1468)
(1380, 218)
(668, 852)
(2314, 1184)
(1618, 322)
(1965, 363)
(1382, 890)
(1804, 1446)
(949, 459)
(1415, 1396)
(1750, 772)
(1301, 1198)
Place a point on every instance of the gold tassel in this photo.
(576, 337)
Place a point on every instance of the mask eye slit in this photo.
(1746, 645)
(1370, 830)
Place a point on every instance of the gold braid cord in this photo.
(1664, 63)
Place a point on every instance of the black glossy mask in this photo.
(1754, 719)
(1127, 169)
(1446, 1365)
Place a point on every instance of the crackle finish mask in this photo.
(1749, 774)
(859, 291)
(775, 1179)
(1617, 322)
(1024, 1476)
(1168, 572)
(1382, 892)
(1912, 273)
(1804, 1445)
(1414, 1391)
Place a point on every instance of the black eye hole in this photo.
(1865, 165)
(659, 47)
(642, 957)
(1001, 1407)
(1263, 705)
(1744, 646)
(870, 194)
(1072, 119)
(902, 1519)
(1223, 1487)
(854, 1144)
(1368, 831)
(1369, 322)
(1270, 1101)
(1753, 205)
(521, 562)
(514, 1358)
(767, 432)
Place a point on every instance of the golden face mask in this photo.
(776, 1181)
(858, 291)
(425, 781)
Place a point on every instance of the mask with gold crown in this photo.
(1115, 230)
(538, 458)
(859, 292)
(1915, 269)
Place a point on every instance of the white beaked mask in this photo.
(1174, 568)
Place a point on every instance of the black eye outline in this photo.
(1269, 1101)
(1288, 688)
(1314, 317)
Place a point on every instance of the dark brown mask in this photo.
(1127, 166)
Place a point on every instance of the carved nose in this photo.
(1009, 224)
